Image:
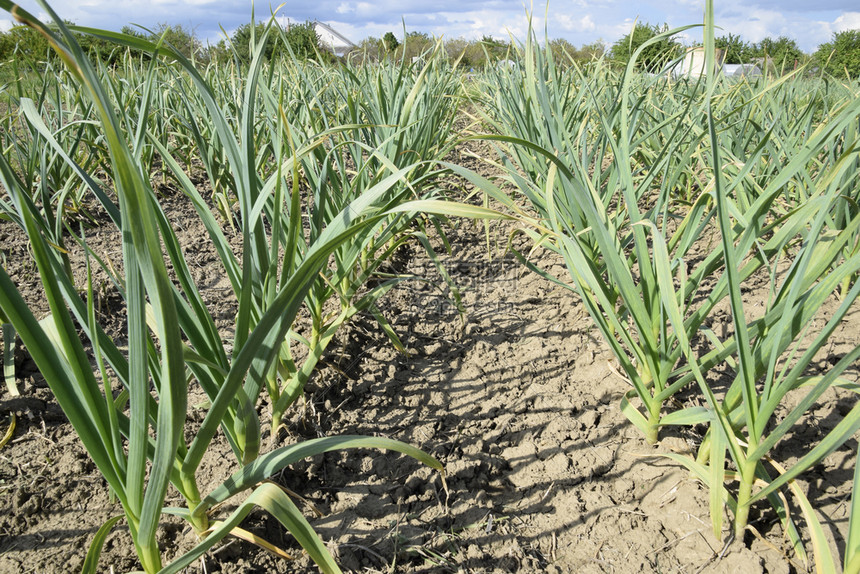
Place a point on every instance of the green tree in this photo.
(840, 56)
(496, 49)
(782, 53)
(25, 44)
(182, 39)
(474, 55)
(563, 52)
(455, 48)
(303, 40)
(371, 49)
(30, 47)
(390, 42)
(133, 31)
(654, 57)
(592, 51)
(484, 52)
(736, 50)
(220, 52)
(242, 41)
(414, 45)
(99, 49)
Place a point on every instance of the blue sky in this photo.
(579, 21)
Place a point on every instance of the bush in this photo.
(301, 38)
(735, 49)
(783, 53)
(653, 58)
(564, 53)
(841, 56)
(25, 44)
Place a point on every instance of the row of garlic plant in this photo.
(318, 209)
(626, 229)
(52, 112)
(351, 139)
(666, 197)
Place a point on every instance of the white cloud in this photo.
(357, 34)
(179, 4)
(616, 31)
(587, 23)
(755, 24)
(584, 24)
(686, 39)
(364, 9)
(847, 21)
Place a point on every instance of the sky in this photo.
(810, 23)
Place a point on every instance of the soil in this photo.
(517, 396)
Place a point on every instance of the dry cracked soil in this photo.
(517, 395)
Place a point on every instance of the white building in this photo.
(741, 70)
(693, 65)
(332, 40)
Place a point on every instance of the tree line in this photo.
(467, 54)
(301, 39)
(839, 57)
